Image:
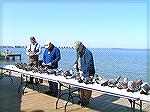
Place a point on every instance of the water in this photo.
(109, 63)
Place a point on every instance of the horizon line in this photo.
(24, 46)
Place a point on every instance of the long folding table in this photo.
(133, 97)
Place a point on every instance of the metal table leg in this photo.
(27, 83)
(9, 75)
(69, 93)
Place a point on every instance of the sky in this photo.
(97, 25)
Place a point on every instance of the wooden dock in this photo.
(33, 101)
(10, 55)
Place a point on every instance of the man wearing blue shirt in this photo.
(51, 57)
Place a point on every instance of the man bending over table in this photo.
(51, 57)
(85, 66)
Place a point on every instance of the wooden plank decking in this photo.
(32, 101)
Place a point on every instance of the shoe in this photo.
(48, 92)
(30, 82)
(37, 82)
(41, 80)
(79, 102)
(54, 94)
(84, 103)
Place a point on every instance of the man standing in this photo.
(33, 50)
(85, 66)
(51, 57)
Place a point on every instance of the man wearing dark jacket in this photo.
(85, 66)
(51, 57)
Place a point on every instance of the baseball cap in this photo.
(77, 44)
(32, 38)
(47, 43)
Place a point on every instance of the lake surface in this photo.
(109, 63)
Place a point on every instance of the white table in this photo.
(132, 97)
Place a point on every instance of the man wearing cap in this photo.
(85, 66)
(51, 58)
(33, 50)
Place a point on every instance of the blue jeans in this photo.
(53, 86)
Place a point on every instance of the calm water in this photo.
(110, 63)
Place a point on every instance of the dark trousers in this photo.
(85, 95)
(33, 61)
(53, 86)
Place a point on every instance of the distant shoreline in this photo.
(66, 47)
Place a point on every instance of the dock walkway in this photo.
(32, 101)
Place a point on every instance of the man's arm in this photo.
(44, 55)
(39, 50)
(87, 60)
(57, 53)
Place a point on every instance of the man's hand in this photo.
(81, 73)
(32, 53)
(49, 64)
(75, 66)
(43, 64)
